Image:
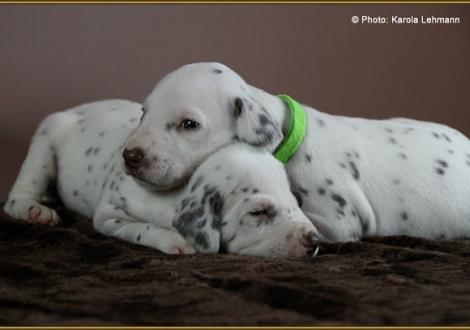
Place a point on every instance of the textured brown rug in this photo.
(71, 275)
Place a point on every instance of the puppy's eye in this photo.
(259, 212)
(189, 124)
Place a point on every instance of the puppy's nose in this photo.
(310, 241)
(133, 157)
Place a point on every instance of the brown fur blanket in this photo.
(71, 275)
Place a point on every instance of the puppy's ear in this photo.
(254, 124)
(199, 219)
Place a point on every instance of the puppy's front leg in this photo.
(113, 220)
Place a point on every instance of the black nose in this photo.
(311, 243)
(133, 158)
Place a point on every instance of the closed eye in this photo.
(258, 213)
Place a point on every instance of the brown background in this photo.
(56, 56)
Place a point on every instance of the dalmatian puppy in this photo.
(238, 200)
(355, 177)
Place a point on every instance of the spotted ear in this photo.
(198, 218)
(254, 124)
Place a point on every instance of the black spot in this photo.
(89, 168)
(88, 151)
(216, 203)
(12, 202)
(246, 199)
(392, 140)
(75, 193)
(436, 135)
(340, 211)
(354, 170)
(338, 199)
(81, 121)
(168, 126)
(440, 171)
(342, 165)
(388, 130)
(147, 228)
(356, 154)
(197, 183)
(308, 158)
(217, 71)
(402, 155)
(244, 190)
(96, 150)
(255, 191)
(353, 213)
(138, 238)
(467, 162)
(133, 119)
(111, 186)
(238, 107)
(228, 177)
(396, 181)
(443, 163)
(201, 224)
(185, 202)
(446, 137)
(329, 182)
(450, 151)
(404, 216)
(202, 239)
(320, 122)
(117, 220)
(321, 191)
(217, 167)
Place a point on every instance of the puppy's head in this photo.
(191, 113)
(244, 206)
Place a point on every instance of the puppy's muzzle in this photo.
(310, 242)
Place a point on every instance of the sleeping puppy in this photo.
(238, 200)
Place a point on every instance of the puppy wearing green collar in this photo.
(353, 177)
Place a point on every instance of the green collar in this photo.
(298, 125)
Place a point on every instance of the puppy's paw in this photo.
(181, 249)
(176, 244)
(43, 215)
(32, 212)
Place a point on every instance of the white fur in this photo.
(414, 176)
(388, 177)
(82, 147)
